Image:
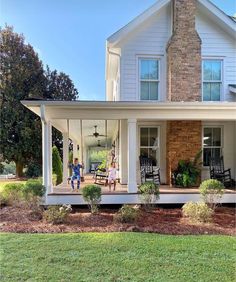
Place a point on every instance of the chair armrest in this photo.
(227, 170)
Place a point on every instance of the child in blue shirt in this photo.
(75, 173)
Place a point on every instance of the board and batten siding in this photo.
(217, 43)
(150, 39)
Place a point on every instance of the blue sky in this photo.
(70, 35)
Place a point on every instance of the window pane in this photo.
(207, 138)
(215, 91)
(206, 91)
(216, 137)
(153, 140)
(206, 156)
(216, 70)
(153, 90)
(153, 156)
(144, 90)
(144, 152)
(215, 153)
(144, 137)
(144, 69)
(207, 73)
(153, 69)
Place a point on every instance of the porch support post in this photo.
(132, 152)
(47, 158)
(75, 149)
(65, 156)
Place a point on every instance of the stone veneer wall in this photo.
(184, 140)
(184, 54)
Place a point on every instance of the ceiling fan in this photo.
(96, 134)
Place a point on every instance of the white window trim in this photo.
(159, 140)
(217, 81)
(149, 57)
(222, 140)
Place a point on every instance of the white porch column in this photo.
(75, 149)
(132, 152)
(50, 157)
(47, 159)
(65, 156)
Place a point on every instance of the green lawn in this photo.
(116, 257)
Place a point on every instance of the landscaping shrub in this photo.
(57, 214)
(54, 179)
(56, 164)
(126, 214)
(92, 195)
(34, 187)
(211, 191)
(149, 193)
(197, 212)
(12, 194)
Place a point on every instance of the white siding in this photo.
(150, 39)
(217, 43)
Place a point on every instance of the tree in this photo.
(56, 164)
(59, 86)
(22, 77)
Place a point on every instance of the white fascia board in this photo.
(121, 33)
(125, 110)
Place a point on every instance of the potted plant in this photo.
(188, 172)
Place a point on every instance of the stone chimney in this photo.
(184, 54)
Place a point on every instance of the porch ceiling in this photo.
(101, 110)
(87, 130)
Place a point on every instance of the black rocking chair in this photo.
(217, 171)
(148, 172)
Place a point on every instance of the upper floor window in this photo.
(149, 79)
(212, 80)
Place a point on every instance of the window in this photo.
(212, 144)
(212, 80)
(149, 79)
(149, 143)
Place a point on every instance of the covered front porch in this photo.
(124, 131)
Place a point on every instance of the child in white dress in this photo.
(112, 176)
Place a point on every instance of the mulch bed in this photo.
(159, 220)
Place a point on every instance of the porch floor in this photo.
(123, 189)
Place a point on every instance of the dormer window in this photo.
(212, 80)
(149, 79)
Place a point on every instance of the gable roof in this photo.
(226, 21)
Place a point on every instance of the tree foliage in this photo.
(22, 77)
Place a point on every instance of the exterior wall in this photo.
(184, 55)
(229, 146)
(183, 141)
(151, 39)
(217, 43)
(148, 40)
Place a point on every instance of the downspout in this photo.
(119, 57)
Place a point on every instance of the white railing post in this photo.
(132, 152)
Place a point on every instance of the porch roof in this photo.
(103, 110)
